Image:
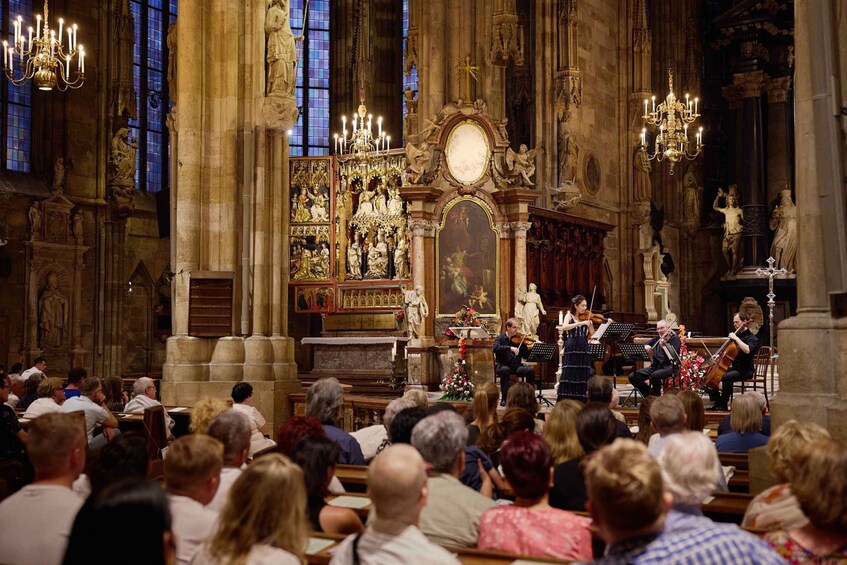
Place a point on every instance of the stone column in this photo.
(779, 136)
(519, 230)
(420, 229)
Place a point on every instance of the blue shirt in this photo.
(71, 392)
(735, 442)
(351, 451)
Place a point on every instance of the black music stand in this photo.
(597, 351)
(541, 353)
(633, 352)
(615, 333)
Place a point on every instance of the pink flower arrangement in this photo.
(692, 371)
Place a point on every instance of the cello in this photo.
(722, 360)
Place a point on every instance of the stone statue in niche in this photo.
(691, 198)
(530, 319)
(59, 176)
(568, 150)
(401, 259)
(171, 40)
(642, 188)
(34, 219)
(281, 51)
(395, 203)
(122, 159)
(419, 159)
(416, 310)
(354, 259)
(521, 164)
(732, 227)
(52, 313)
(378, 258)
(784, 224)
(77, 225)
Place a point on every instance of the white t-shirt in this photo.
(259, 555)
(228, 477)
(370, 438)
(377, 548)
(35, 524)
(41, 406)
(31, 371)
(192, 525)
(258, 441)
(94, 413)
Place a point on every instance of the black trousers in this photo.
(505, 371)
(655, 375)
(722, 398)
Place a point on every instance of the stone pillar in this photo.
(779, 136)
(519, 230)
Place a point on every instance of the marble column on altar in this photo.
(519, 230)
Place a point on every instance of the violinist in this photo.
(665, 347)
(508, 355)
(742, 366)
(576, 358)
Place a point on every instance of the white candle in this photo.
(67, 67)
(645, 107)
(388, 142)
(5, 54)
(695, 104)
(81, 60)
(379, 125)
(30, 38)
(654, 103)
(561, 313)
(61, 27)
(38, 27)
(70, 39)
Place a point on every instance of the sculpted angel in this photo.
(419, 159)
(521, 163)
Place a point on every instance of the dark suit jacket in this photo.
(660, 358)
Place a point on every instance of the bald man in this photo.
(397, 485)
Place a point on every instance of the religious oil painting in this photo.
(467, 259)
(314, 299)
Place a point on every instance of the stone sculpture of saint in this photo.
(732, 228)
(366, 205)
(354, 259)
(642, 189)
(122, 158)
(281, 52)
(378, 259)
(34, 219)
(401, 260)
(171, 42)
(416, 310)
(395, 203)
(77, 225)
(691, 194)
(59, 176)
(52, 313)
(530, 319)
(419, 159)
(784, 223)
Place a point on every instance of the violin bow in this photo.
(593, 293)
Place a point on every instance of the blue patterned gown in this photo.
(576, 365)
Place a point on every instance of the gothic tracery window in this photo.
(16, 101)
(310, 135)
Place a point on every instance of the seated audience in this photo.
(290, 434)
(30, 390)
(264, 519)
(113, 390)
(15, 370)
(530, 526)
(600, 389)
(695, 411)
(325, 401)
(36, 521)
(746, 421)
(776, 508)
(374, 439)
(451, 515)
(51, 395)
(645, 423)
(204, 412)
(317, 456)
(139, 507)
(144, 390)
(522, 395)
(39, 365)
(75, 377)
(820, 484)
(123, 459)
(595, 427)
(560, 431)
(18, 387)
(242, 401)
(397, 486)
(403, 424)
(484, 430)
(232, 429)
(192, 473)
(418, 396)
(725, 426)
(12, 437)
(93, 403)
(667, 415)
(628, 502)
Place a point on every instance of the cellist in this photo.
(742, 366)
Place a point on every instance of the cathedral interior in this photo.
(274, 191)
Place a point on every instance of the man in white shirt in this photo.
(375, 438)
(397, 485)
(57, 448)
(38, 366)
(192, 475)
(232, 429)
(145, 397)
(93, 403)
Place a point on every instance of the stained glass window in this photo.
(16, 100)
(149, 68)
(310, 135)
(412, 80)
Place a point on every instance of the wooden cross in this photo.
(467, 68)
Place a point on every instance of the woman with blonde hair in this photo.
(204, 412)
(777, 507)
(560, 431)
(746, 421)
(484, 429)
(264, 518)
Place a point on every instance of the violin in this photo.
(596, 319)
(520, 339)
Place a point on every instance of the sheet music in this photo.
(598, 333)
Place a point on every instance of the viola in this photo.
(723, 359)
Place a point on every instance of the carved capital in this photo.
(778, 89)
(280, 112)
(751, 84)
(568, 91)
(422, 228)
(520, 229)
(503, 229)
(507, 41)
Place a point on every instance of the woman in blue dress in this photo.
(576, 359)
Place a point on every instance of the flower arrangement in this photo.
(458, 386)
(691, 371)
(468, 317)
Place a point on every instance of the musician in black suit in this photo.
(507, 358)
(665, 347)
(742, 366)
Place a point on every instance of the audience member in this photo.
(123, 459)
(418, 396)
(192, 473)
(242, 401)
(144, 390)
(628, 503)
(15, 370)
(36, 521)
(725, 426)
(317, 455)
(30, 390)
(820, 484)
(777, 508)
(51, 395)
(325, 401)
(595, 427)
(264, 519)
(560, 431)
(116, 397)
(18, 388)
(695, 411)
(75, 377)
(645, 423)
(127, 508)
(667, 415)
(232, 429)
(374, 439)
(204, 412)
(484, 430)
(93, 403)
(451, 515)
(39, 365)
(403, 424)
(746, 421)
(600, 389)
(530, 526)
(397, 486)
(515, 420)
(290, 434)
(522, 395)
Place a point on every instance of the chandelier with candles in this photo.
(42, 56)
(362, 143)
(673, 118)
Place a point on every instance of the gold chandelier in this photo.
(673, 118)
(42, 57)
(362, 143)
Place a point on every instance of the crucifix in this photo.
(770, 272)
(467, 68)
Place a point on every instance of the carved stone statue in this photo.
(77, 225)
(354, 259)
(419, 159)
(281, 52)
(642, 188)
(520, 301)
(366, 204)
(52, 313)
(567, 149)
(532, 306)
(732, 227)
(522, 163)
(59, 176)
(411, 103)
(692, 195)
(395, 202)
(319, 208)
(320, 262)
(401, 259)
(34, 219)
(784, 223)
(122, 159)
(416, 310)
(378, 259)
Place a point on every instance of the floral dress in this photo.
(576, 365)
(796, 554)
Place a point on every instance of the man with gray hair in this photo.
(665, 347)
(668, 417)
(145, 397)
(374, 439)
(452, 513)
(397, 485)
(232, 429)
(325, 401)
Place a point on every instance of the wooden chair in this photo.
(155, 432)
(760, 373)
